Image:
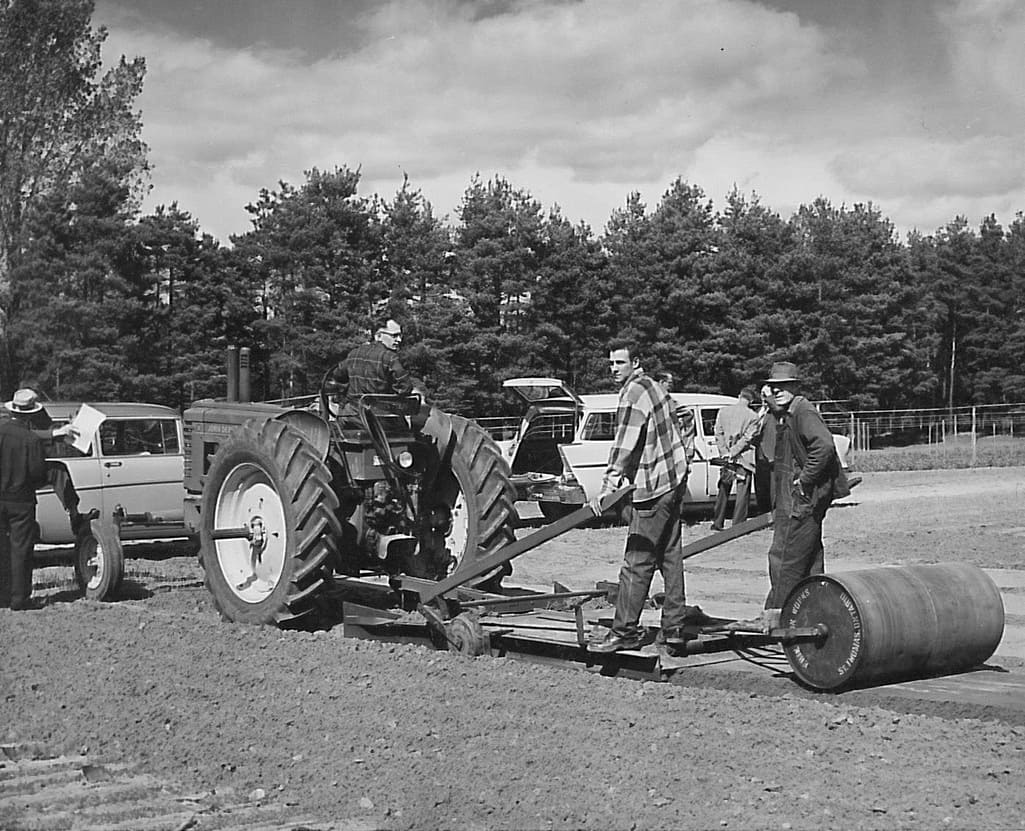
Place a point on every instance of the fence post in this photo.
(973, 436)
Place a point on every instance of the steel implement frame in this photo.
(512, 639)
(521, 546)
(741, 529)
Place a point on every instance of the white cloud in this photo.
(579, 103)
(989, 63)
(976, 167)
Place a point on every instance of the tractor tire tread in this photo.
(305, 486)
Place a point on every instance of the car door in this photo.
(142, 470)
(588, 456)
(550, 420)
(703, 484)
(84, 469)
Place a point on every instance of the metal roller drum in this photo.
(893, 623)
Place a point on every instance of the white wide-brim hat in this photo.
(25, 402)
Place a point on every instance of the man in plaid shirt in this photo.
(373, 368)
(648, 451)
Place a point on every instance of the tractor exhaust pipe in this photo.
(232, 372)
(244, 395)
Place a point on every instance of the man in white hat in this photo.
(22, 470)
(57, 476)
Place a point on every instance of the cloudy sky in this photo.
(915, 105)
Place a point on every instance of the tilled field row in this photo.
(40, 791)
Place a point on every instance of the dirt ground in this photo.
(373, 735)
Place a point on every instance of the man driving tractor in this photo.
(372, 368)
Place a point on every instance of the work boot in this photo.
(693, 614)
(617, 643)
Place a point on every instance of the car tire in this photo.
(99, 560)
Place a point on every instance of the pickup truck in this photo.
(560, 448)
(133, 471)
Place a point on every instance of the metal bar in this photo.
(241, 533)
(521, 546)
(519, 625)
(368, 615)
(779, 634)
(799, 633)
(502, 601)
(741, 529)
(418, 585)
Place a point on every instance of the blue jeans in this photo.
(653, 541)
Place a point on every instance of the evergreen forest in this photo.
(99, 301)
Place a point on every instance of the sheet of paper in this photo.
(86, 420)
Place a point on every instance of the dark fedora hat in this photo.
(783, 371)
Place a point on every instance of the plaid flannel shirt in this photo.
(373, 368)
(648, 449)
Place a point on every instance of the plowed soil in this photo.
(376, 735)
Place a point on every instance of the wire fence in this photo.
(894, 428)
(972, 436)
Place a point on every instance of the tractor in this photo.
(286, 498)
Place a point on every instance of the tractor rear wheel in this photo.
(473, 485)
(268, 524)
